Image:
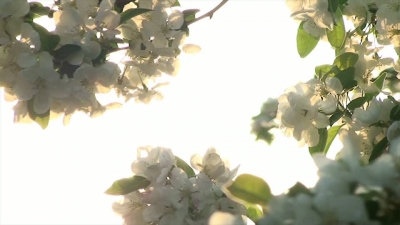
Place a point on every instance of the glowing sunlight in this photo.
(59, 175)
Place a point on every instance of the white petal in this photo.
(178, 178)
(224, 218)
(24, 89)
(41, 102)
(58, 89)
(153, 212)
(196, 162)
(191, 48)
(46, 60)
(329, 104)
(92, 49)
(26, 59)
(175, 20)
(321, 121)
(77, 58)
(333, 84)
(342, 204)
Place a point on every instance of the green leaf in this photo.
(127, 185)
(337, 35)
(322, 70)
(346, 77)
(323, 136)
(298, 188)
(190, 14)
(130, 13)
(38, 9)
(393, 100)
(41, 119)
(184, 166)
(378, 149)
(335, 117)
(379, 81)
(333, 5)
(332, 132)
(305, 42)
(250, 189)
(48, 40)
(254, 213)
(176, 3)
(357, 103)
(395, 113)
(346, 60)
(66, 51)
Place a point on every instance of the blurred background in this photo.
(59, 175)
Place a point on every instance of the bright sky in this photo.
(58, 176)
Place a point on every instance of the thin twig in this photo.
(209, 14)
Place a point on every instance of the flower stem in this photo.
(209, 14)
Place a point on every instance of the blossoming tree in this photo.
(57, 73)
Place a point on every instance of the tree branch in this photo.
(209, 14)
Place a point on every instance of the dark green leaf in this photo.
(360, 29)
(393, 100)
(66, 51)
(390, 72)
(346, 60)
(323, 136)
(378, 149)
(395, 113)
(333, 5)
(346, 77)
(41, 119)
(190, 14)
(38, 9)
(380, 123)
(185, 29)
(298, 188)
(337, 35)
(184, 166)
(305, 42)
(332, 132)
(101, 58)
(335, 117)
(48, 40)
(127, 185)
(357, 103)
(130, 13)
(254, 213)
(250, 189)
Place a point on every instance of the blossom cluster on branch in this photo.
(62, 71)
(347, 192)
(165, 190)
(353, 91)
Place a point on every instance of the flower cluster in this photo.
(174, 194)
(348, 191)
(349, 98)
(63, 71)
(303, 108)
(350, 91)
